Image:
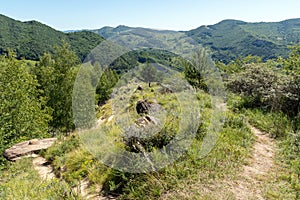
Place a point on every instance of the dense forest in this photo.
(37, 80)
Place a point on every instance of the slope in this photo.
(228, 39)
(31, 39)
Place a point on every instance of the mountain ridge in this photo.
(228, 39)
(31, 39)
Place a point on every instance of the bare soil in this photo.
(249, 184)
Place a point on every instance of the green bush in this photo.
(61, 148)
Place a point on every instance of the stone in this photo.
(142, 107)
(28, 147)
(165, 89)
(140, 88)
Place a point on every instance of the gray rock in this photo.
(24, 148)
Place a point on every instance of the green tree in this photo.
(83, 97)
(104, 88)
(23, 113)
(56, 75)
(197, 69)
(237, 65)
(149, 74)
(291, 65)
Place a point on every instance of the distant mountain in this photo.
(31, 39)
(108, 31)
(230, 39)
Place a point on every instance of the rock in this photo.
(140, 88)
(142, 107)
(110, 118)
(151, 119)
(146, 120)
(24, 148)
(165, 89)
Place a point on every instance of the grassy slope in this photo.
(188, 178)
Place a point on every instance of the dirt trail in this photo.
(46, 172)
(248, 185)
(43, 168)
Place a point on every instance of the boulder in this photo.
(140, 88)
(146, 120)
(142, 107)
(25, 148)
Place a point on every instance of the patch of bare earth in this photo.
(249, 184)
(46, 172)
(43, 168)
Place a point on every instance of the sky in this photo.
(158, 14)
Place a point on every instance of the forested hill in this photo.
(31, 39)
(230, 39)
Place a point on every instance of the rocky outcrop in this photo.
(29, 147)
(142, 107)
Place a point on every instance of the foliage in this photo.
(238, 65)
(82, 42)
(56, 75)
(83, 96)
(196, 70)
(149, 74)
(260, 84)
(23, 114)
(266, 85)
(61, 149)
(31, 39)
(292, 64)
(104, 88)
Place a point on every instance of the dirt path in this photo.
(248, 185)
(43, 168)
(46, 172)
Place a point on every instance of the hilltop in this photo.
(227, 40)
(31, 39)
(230, 39)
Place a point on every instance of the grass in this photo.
(189, 173)
(21, 181)
(189, 177)
(282, 182)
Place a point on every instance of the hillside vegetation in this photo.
(100, 114)
(227, 40)
(32, 39)
(230, 39)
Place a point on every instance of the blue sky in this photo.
(159, 14)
